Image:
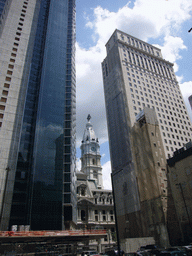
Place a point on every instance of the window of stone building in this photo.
(4, 92)
(104, 215)
(111, 215)
(11, 66)
(83, 216)
(95, 174)
(96, 215)
(6, 85)
(12, 60)
(8, 78)
(9, 72)
(3, 99)
(83, 191)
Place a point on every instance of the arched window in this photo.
(93, 161)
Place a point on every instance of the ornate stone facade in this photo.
(95, 204)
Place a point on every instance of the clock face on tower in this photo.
(93, 149)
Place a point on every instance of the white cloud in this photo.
(107, 175)
(78, 164)
(160, 19)
(90, 96)
(171, 49)
(147, 19)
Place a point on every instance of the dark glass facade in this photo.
(45, 184)
(2, 4)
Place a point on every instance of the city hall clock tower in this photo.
(90, 155)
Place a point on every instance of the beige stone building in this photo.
(146, 209)
(180, 177)
(135, 76)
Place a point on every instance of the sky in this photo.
(162, 23)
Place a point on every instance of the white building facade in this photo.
(137, 71)
(136, 76)
(95, 204)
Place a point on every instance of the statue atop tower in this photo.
(88, 117)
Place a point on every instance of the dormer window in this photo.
(82, 191)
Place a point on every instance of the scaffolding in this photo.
(45, 242)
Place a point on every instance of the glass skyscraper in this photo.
(43, 191)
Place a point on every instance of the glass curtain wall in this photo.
(44, 191)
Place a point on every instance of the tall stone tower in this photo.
(90, 155)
